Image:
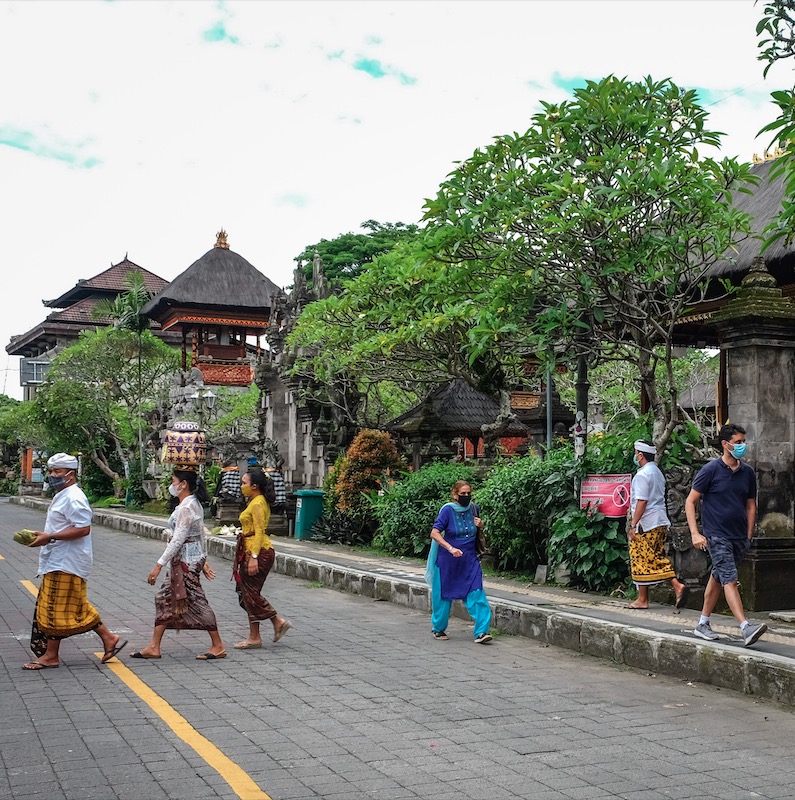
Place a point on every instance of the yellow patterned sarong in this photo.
(62, 607)
(647, 560)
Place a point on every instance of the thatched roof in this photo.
(220, 280)
(455, 409)
(763, 203)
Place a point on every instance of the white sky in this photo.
(141, 128)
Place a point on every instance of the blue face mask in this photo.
(738, 450)
(635, 460)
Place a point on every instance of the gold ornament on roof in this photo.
(221, 240)
(768, 155)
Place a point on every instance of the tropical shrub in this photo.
(353, 484)
(369, 456)
(407, 510)
(592, 547)
(520, 500)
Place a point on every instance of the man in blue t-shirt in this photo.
(727, 490)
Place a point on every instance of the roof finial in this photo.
(221, 240)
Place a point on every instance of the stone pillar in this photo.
(757, 332)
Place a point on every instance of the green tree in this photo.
(345, 256)
(125, 310)
(93, 397)
(776, 34)
(596, 229)
(408, 339)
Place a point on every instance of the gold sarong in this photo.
(647, 560)
(62, 607)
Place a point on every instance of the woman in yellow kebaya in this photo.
(254, 558)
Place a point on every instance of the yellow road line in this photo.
(242, 785)
(239, 780)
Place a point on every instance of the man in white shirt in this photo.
(65, 560)
(647, 530)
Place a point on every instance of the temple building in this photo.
(220, 306)
(61, 328)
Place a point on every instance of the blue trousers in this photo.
(476, 604)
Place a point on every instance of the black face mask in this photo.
(463, 499)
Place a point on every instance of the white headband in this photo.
(643, 447)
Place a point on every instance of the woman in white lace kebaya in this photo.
(180, 603)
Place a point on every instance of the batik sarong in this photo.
(62, 607)
(180, 603)
(647, 560)
(249, 587)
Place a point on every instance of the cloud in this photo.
(30, 142)
(292, 199)
(219, 33)
(568, 84)
(375, 69)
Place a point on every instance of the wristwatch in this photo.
(53, 540)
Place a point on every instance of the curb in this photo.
(767, 675)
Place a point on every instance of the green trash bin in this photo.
(308, 510)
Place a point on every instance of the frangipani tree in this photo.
(597, 228)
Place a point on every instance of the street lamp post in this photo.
(203, 400)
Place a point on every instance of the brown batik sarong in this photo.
(647, 560)
(249, 587)
(180, 603)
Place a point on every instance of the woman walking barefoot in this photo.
(254, 558)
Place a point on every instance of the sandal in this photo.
(281, 630)
(108, 655)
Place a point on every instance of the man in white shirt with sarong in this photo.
(65, 561)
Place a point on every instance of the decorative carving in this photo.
(221, 240)
(227, 374)
(319, 283)
(525, 400)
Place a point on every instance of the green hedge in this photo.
(407, 510)
(519, 501)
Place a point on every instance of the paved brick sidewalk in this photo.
(358, 702)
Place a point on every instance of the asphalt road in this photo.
(357, 701)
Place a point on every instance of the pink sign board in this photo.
(608, 493)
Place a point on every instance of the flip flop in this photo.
(139, 654)
(681, 601)
(109, 654)
(637, 608)
(248, 646)
(35, 666)
(282, 629)
(210, 656)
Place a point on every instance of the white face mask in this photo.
(174, 490)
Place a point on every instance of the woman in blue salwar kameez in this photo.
(454, 571)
